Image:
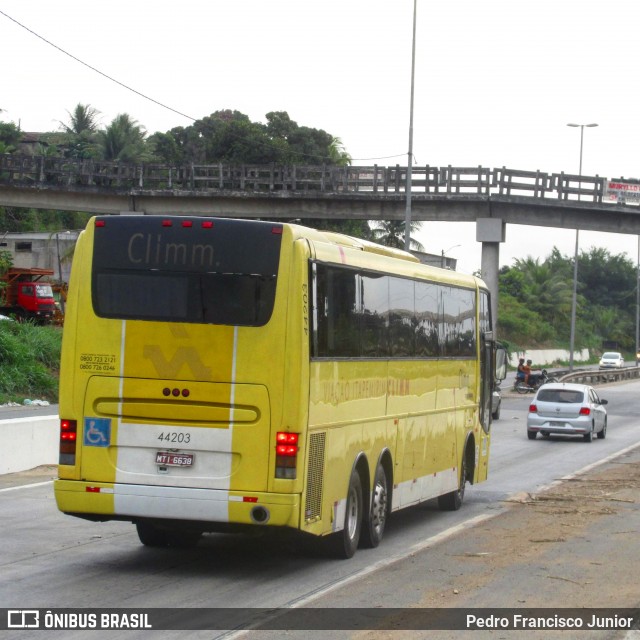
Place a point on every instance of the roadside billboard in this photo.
(623, 191)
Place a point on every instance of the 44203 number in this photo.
(176, 437)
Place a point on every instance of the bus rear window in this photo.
(221, 275)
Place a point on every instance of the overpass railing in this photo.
(65, 174)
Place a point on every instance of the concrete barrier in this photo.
(28, 442)
(543, 357)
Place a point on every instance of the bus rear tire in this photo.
(453, 501)
(376, 520)
(343, 544)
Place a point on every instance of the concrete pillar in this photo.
(491, 232)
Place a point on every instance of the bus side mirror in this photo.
(501, 363)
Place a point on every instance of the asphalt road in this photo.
(50, 560)
(27, 411)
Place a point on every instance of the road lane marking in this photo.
(27, 486)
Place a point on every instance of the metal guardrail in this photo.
(594, 377)
(75, 175)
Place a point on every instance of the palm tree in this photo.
(83, 118)
(338, 154)
(547, 291)
(391, 234)
(124, 140)
(81, 131)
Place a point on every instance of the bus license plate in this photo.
(168, 459)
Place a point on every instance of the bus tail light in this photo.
(286, 454)
(68, 436)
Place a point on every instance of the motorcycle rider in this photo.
(521, 373)
(533, 378)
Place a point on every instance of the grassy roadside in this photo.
(29, 361)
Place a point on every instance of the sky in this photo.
(496, 83)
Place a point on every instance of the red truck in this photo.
(24, 294)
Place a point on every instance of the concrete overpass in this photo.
(492, 198)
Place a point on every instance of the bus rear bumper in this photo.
(116, 501)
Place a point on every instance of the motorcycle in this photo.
(542, 378)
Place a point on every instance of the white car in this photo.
(563, 408)
(611, 360)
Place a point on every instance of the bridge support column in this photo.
(491, 232)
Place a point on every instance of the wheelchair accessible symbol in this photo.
(97, 432)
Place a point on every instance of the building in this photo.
(48, 250)
(434, 260)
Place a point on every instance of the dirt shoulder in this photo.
(574, 545)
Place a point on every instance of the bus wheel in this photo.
(152, 536)
(344, 543)
(452, 501)
(375, 522)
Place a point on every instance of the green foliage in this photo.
(354, 228)
(29, 361)
(520, 326)
(227, 136)
(391, 233)
(231, 137)
(6, 261)
(83, 118)
(536, 300)
(80, 134)
(17, 220)
(123, 140)
(10, 135)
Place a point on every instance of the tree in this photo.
(19, 220)
(229, 136)
(6, 148)
(520, 327)
(337, 153)
(123, 140)
(6, 261)
(391, 233)
(280, 125)
(545, 291)
(618, 288)
(10, 135)
(536, 296)
(83, 118)
(354, 228)
(80, 132)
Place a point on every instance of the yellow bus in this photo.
(222, 375)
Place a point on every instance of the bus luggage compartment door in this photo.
(173, 433)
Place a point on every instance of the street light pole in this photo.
(443, 257)
(407, 213)
(574, 300)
